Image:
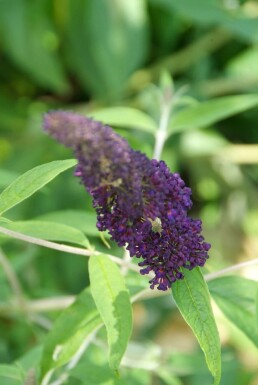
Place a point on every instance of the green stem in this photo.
(161, 134)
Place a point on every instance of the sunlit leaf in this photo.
(71, 329)
(30, 182)
(192, 297)
(201, 143)
(236, 297)
(244, 64)
(112, 300)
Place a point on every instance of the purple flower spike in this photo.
(139, 201)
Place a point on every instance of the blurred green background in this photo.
(86, 55)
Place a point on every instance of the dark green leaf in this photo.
(113, 302)
(29, 38)
(30, 182)
(192, 297)
(116, 41)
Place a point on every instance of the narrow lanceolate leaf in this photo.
(126, 117)
(112, 300)
(81, 219)
(236, 297)
(30, 182)
(212, 111)
(192, 297)
(70, 330)
(49, 231)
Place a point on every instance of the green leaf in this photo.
(125, 117)
(30, 182)
(201, 143)
(236, 297)
(113, 302)
(114, 35)
(30, 360)
(50, 231)
(212, 12)
(33, 43)
(70, 330)
(93, 368)
(82, 220)
(6, 177)
(244, 64)
(212, 111)
(192, 297)
(10, 372)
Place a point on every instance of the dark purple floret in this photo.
(139, 201)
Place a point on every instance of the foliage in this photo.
(76, 310)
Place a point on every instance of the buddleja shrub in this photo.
(145, 209)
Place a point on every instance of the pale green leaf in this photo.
(201, 143)
(10, 372)
(125, 117)
(192, 297)
(207, 113)
(236, 297)
(71, 329)
(82, 220)
(50, 231)
(30, 182)
(112, 300)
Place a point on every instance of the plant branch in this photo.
(64, 248)
(216, 274)
(59, 303)
(39, 305)
(148, 293)
(161, 134)
(126, 259)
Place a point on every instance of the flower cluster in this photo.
(139, 201)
